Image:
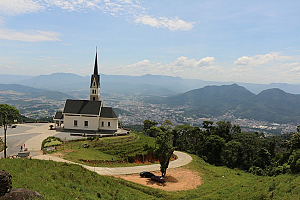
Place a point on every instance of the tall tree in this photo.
(7, 115)
(148, 124)
(164, 151)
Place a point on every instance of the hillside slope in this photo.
(273, 105)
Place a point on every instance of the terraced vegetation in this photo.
(67, 181)
(110, 151)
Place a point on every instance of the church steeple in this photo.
(95, 83)
(96, 65)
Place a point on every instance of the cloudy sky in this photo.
(248, 41)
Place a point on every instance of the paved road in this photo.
(32, 136)
(183, 159)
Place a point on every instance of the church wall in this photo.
(113, 123)
(92, 122)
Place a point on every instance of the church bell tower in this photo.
(95, 83)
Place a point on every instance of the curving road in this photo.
(32, 136)
(183, 159)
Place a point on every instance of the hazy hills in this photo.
(30, 92)
(273, 105)
(146, 84)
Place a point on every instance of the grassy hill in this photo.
(66, 181)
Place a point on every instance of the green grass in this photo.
(66, 181)
(225, 183)
(101, 152)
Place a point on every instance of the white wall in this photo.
(92, 122)
(113, 124)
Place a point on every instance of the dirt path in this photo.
(176, 179)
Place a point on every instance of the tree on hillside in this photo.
(153, 131)
(167, 124)
(164, 151)
(7, 115)
(148, 124)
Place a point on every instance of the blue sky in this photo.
(245, 41)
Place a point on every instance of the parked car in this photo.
(146, 174)
(159, 179)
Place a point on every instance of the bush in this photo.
(51, 141)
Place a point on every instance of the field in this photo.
(66, 181)
(110, 151)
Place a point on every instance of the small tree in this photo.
(7, 115)
(164, 151)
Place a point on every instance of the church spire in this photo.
(95, 83)
(96, 64)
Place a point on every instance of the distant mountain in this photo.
(65, 82)
(30, 92)
(273, 105)
(211, 100)
(57, 81)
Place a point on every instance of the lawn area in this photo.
(109, 151)
(66, 181)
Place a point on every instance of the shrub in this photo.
(51, 141)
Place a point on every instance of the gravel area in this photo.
(176, 179)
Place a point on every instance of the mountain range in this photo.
(30, 92)
(273, 105)
(156, 85)
(270, 104)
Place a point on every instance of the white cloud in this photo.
(206, 61)
(132, 10)
(172, 24)
(258, 59)
(192, 63)
(182, 66)
(29, 36)
(16, 7)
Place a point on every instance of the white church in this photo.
(88, 115)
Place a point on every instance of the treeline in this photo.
(225, 144)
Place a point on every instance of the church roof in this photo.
(108, 112)
(82, 107)
(58, 115)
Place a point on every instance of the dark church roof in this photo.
(108, 112)
(82, 107)
(58, 115)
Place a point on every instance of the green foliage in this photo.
(148, 124)
(8, 114)
(51, 141)
(294, 161)
(225, 144)
(164, 151)
(136, 128)
(121, 149)
(1, 144)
